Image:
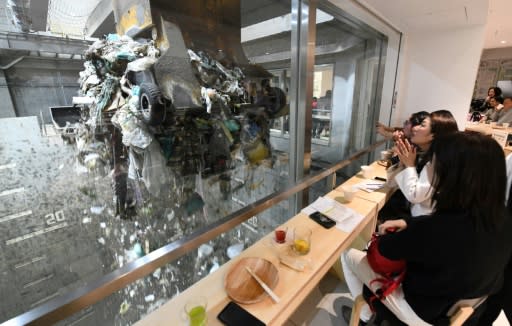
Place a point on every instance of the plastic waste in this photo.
(135, 91)
(215, 265)
(125, 56)
(235, 250)
(137, 249)
(97, 209)
(140, 64)
(154, 172)
(204, 250)
(194, 203)
(149, 298)
(113, 37)
(123, 308)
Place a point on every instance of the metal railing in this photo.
(68, 304)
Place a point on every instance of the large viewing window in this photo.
(78, 200)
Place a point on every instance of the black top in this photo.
(448, 260)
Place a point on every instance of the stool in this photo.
(458, 313)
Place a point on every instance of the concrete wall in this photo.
(6, 106)
(438, 71)
(34, 84)
(5, 21)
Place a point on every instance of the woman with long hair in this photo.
(460, 250)
(415, 169)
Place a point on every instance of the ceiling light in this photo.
(503, 42)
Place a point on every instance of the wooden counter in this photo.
(482, 128)
(502, 135)
(378, 196)
(293, 286)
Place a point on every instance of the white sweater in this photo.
(417, 188)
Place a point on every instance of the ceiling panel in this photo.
(499, 24)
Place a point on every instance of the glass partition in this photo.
(106, 184)
(349, 74)
(79, 199)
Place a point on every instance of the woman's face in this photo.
(422, 134)
(490, 92)
(407, 128)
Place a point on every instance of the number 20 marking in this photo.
(56, 217)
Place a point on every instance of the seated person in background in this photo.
(405, 132)
(414, 180)
(505, 114)
(460, 250)
(495, 107)
(491, 92)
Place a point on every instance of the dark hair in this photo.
(497, 91)
(417, 118)
(498, 99)
(459, 181)
(441, 122)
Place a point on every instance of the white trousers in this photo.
(358, 272)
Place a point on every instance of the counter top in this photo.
(293, 286)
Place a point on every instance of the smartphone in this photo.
(235, 315)
(394, 160)
(323, 220)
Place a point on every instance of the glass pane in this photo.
(135, 166)
(322, 103)
(280, 125)
(347, 82)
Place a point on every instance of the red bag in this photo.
(392, 271)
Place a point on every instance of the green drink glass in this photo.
(195, 309)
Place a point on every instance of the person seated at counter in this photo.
(413, 174)
(400, 132)
(491, 92)
(505, 114)
(495, 106)
(460, 250)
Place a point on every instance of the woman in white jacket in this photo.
(415, 179)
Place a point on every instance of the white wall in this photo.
(438, 71)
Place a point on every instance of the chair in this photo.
(458, 313)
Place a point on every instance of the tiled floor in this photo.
(323, 306)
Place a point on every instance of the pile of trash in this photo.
(130, 128)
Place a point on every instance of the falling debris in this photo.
(235, 250)
(137, 249)
(124, 307)
(97, 209)
(204, 250)
(133, 120)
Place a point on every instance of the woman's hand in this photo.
(398, 134)
(406, 152)
(383, 130)
(391, 226)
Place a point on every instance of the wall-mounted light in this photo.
(503, 42)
